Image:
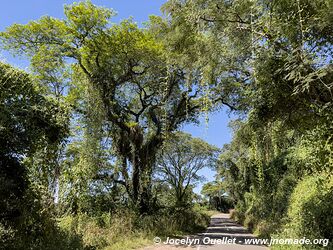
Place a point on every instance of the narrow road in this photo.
(222, 233)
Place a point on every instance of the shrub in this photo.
(250, 222)
(34, 228)
(174, 221)
(310, 213)
(238, 213)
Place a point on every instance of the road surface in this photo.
(222, 233)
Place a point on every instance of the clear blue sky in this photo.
(22, 11)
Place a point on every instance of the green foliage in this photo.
(263, 175)
(142, 92)
(179, 162)
(129, 89)
(217, 199)
(271, 61)
(127, 230)
(39, 118)
(29, 122)
(310, 211)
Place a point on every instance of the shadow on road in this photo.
(222, 233)
(224, 229)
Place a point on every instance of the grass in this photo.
(127, 230)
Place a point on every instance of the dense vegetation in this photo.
(91, 152)
(274, 59)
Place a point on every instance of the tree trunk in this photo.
(141, 154)
(146, 194)
(143, 159)
(135, 178)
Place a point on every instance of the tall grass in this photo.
(127, 230)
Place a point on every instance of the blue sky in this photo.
(18, 11)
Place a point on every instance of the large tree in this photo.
(180, 161)
(273, 56)
(144, 94)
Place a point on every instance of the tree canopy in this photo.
(91, 135)
(180, 161)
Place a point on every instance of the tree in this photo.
(260, 62)
(144, 97)
(87, 165)
(215, 191)
(180, 161)
(29, 122)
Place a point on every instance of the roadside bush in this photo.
(7, 237)
(34, 228)
(311, 208)
(265, 228)
(101, 231)
(250, 222)
(310, 213)
(174, 221)
(238, 213)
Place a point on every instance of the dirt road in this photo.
(222, 233)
